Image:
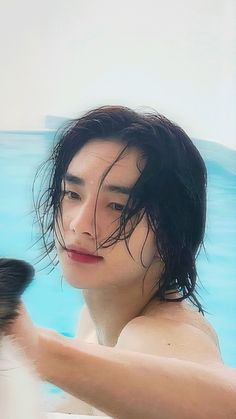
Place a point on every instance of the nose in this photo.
(83, 221)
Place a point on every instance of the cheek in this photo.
(59, 234)
(142, 245)
(61, 218)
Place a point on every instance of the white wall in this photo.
(65, 56)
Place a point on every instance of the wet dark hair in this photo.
(170, 191)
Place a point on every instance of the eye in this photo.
(117, 207)
(71, 195)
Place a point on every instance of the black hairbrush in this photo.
(15, 276)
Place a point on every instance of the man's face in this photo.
(115, 267)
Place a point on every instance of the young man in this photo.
(125, 210)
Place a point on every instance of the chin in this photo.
(74, 282)
(19, 384)
(76, 275)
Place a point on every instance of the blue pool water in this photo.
(52, 303)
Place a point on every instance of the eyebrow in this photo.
(75, 180)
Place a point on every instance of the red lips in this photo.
(79, 254)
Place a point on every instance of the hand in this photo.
(24, 333)
(34, 341)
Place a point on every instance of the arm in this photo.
(130, 385)
(65, 402)
(26, 336)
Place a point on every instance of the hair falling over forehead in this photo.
(170, 191)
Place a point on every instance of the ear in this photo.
(157, 256)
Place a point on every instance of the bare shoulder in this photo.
(172, 329)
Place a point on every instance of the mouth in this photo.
(82, 255)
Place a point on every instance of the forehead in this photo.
(98, 155)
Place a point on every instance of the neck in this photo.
(111, 309)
